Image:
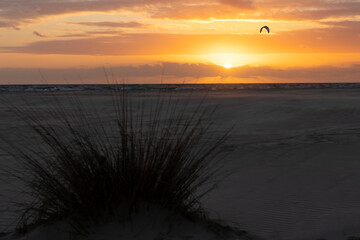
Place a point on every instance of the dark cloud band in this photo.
(176, 72)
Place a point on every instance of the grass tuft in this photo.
(92, 162)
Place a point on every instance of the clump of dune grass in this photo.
(92, 162)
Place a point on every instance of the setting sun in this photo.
(227, 65)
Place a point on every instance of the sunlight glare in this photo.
(227, 60)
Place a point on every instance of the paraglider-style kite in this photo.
(266, 27)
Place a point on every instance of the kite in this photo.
(266, 27)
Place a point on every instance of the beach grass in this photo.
(91, 167)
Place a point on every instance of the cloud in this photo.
(90, 34)
(348, 24)
(302, 74)
(30, 10)
(39, 34)
(196, 12)
(8, 24)
(238, 3)
(296, 74)
(126, 44)
(75, 35)
(337, 37)
(329, 9)
(113, 24)
(177, 72)
(308, 9)
(272, 9)
(104, 32)
(35, 9)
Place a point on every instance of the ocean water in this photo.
(174, 87)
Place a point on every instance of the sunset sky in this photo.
(197, 41)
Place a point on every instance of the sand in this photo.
(291, 161)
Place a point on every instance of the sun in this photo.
(227, 65)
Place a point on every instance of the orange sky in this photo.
(310, 41)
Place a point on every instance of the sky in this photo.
(188, 41)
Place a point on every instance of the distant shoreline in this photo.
(176, 87)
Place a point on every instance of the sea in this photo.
(172, 87)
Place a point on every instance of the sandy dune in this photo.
(293, 156)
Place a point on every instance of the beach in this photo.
(290, 168)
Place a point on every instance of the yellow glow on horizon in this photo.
(227, 60)
(22, 60)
